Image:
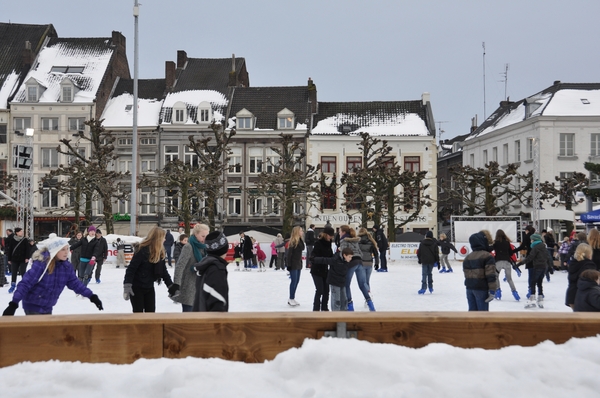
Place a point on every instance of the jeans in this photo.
(427, 276)
(349, 274)
(339, 302)
(536, 278)
(361, 278)
(17, 268)
(144, 300)
(295, 278)
(476, 300)
(248, 263)
(98, 269)
(85, 269)
(321, 293)
(383, 258)
(368, 271)
(168, 255)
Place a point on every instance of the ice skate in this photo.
(531, 303)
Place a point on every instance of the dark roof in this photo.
(207, 74)
(365, 114)
(508, 106)
(12, 44)
(265, 102)
(147, 88)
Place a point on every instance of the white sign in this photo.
(404, 250)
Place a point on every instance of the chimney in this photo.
(27, 58)
(232, 73)
(119, 40)
(169, 75)
(425, 98)
(473, 123)
(556, 82)
(181, 59)
(312, 96)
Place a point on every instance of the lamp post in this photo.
(23, 162)
(134, 148)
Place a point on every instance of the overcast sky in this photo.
(375, 50)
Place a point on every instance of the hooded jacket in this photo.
(587, 298)
(575, 269)
(428, 252)
(479, 266)
(212, 290)
(538, 257)
(338, 268)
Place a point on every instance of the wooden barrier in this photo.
(256, 337)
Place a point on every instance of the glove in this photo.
(10, 310)
(438, 265)
(93, 261)
(127, 291)
(94, 299)
(173, 290)
(491, 296)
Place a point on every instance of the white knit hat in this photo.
(54, 245)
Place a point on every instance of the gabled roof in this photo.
(385, 118)
(119, 109)
(560, 99)
(207, 74)
(265, 102)
(92, 54)
(12, 45)
(147, 88)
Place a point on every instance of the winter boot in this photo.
(443, 270)
(350, 306)
(516, 295)
(371, 306)
(498, 295)
(540, 300)
(531, 302)
(12, 288)
(450, 270)
(422, 291)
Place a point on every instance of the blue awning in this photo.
(592, 216)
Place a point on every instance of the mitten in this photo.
(93, 261)
(173, 290)
(491, 296)
(127, 291)
(10, 310)
(94, 299)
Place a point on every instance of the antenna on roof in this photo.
(440, 130)
(484, 112)
(505, 80)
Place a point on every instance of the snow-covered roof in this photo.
(561, 99)
(401, 125)
(88, 60)
(10, 83)
(193, 98)
(119, 111)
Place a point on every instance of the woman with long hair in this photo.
(368, 248)
(146, 267)
(184, 279)
(349, 239)
(294, 262)
(504, 261)
(582, 260)
(594, 242)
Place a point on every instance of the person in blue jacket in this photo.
(42, 285)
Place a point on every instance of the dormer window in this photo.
(244, 120)
(204, 112)
(179, 112)
(285, 119)
(32, 94)
(67, 90)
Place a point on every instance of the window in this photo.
(190, 157)
(148, 201)
(412, 163)
(285, 122)
(328, 199)
(485, 157)
(564, 176)
(49, 157)
(595, 145)
(256, 207)
(244, 123)
(235, 161)
(32, 94)
(517, 151)
(273, 206)
(297, 207)
(124, 165)
(67, 69)
(203, 115)
(67, 94)
(353, 163)
(567, 144)
(125, 141)
(124, 206)
(505, 153)
(76, 123)
(49, 193)
(388, 161)
(256, 160)
(530, 143)
(272, 161)
(148, 164)
(234, 205)
(148, 141)
(472, 160)
(328, 164)
(22, 123)
(495, 154)
(171, 153)
(49, 123)
(3, 133)
(179, 115)
(73, 158)
(172, 204)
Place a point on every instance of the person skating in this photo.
(368, 248)
(504, 253)
(103, 255)
(587, 298)
(294, 262)
(539, 259)
(50, 273)
(18, 251)
(91, 250)
(383, 246)
(310, 240)
(168, 243)
(445, 246)
(336, 277)
(428, 255)
(582, 260)
(481, 278)
(322, 248)
(349, 239)
(212, 290)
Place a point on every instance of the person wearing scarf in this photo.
(183, 289)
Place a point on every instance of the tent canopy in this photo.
(591, 217)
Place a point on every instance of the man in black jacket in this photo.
(17, 251)
(309, 238)
(103, 254)
(428, 254)
(383, 246)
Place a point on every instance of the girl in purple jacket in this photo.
(44, 282)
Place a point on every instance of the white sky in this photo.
(377, 51)
(327, 367)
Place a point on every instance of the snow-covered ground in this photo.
(327, 367)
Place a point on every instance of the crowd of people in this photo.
(199, 280)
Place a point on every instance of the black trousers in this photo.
(321, 293)
(143, 300)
